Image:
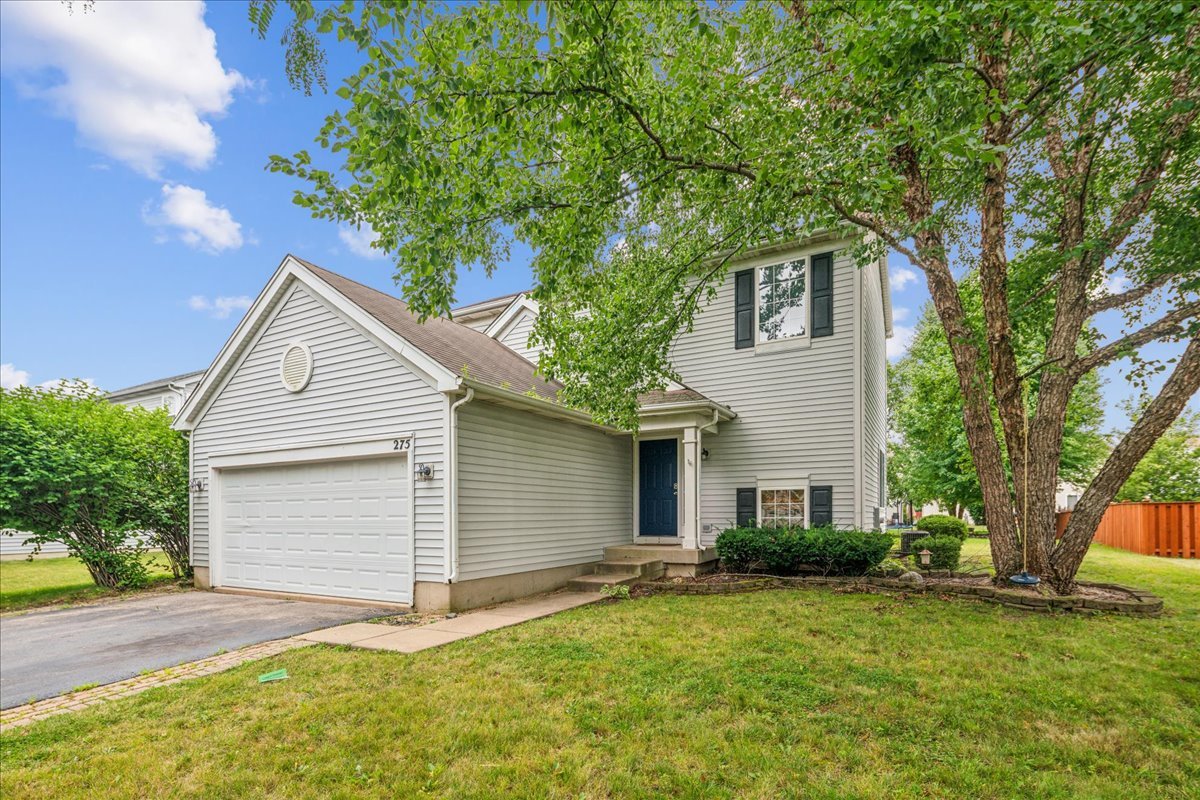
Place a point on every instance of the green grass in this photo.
(49, 581)
(798, 693)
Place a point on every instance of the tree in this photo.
(926, 405)
(77, 469)
(1170, 472)
(161, 503)
(1048, 148)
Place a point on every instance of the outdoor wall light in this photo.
(424, 472)
(924, 554)
(704, 454)
(196, 485)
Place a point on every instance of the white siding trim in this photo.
(859, 322)
(500, 324)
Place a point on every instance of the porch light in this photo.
(424, 472)
(196, 485)
(924, 554)
(704, 454)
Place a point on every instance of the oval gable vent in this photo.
(295, 370)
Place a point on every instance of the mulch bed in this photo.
(1088, 597)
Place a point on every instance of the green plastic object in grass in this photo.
(277, 675)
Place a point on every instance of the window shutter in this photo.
(743, 309)
(745, 507)
(822, 295)
(821, 505)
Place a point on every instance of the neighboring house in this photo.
(342, 448)
(169, 393)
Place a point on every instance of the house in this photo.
(169, 393)
(342, 448)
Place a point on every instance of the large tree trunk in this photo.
(1159, 415)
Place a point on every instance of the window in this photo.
(782, 508)
(782, 311)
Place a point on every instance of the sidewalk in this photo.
(371, 636)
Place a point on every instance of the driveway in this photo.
(48, 653)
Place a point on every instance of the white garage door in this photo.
(335, 528)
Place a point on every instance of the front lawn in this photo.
(45, 581)
(798, 693)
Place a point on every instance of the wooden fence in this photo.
(1153, 529)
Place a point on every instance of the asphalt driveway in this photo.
(48, 653)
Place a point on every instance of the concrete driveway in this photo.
(48, 653)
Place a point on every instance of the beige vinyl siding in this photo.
(874, 389)
(536, 492)
(516, 337)
(795, 406)
(357, 391)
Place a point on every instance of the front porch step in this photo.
(647, 568)
(594, 583)
(668, 554)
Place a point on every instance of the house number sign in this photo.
(402, 444)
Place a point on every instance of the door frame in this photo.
(637, 473)
(340, 450)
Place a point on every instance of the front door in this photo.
(657, 488)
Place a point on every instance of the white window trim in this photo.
(781, 484)
(791, 342)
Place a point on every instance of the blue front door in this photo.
(657, 488)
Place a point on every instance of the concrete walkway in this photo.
(371, 636)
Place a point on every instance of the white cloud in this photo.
(219, 307)
(200, 224)
(11, 378)
(359, 240)
(900, 277)
(137, 79)
(77, 386)
(901, 340)
(900, 314)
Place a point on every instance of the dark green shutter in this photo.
(822, 295)
(743, 309)
(745, 507)
(821, 511)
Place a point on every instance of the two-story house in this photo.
(342, 448)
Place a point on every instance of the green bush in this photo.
(788, 551)
(943, 551)
(943, 525)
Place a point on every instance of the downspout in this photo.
(452, 487)
(716, 418)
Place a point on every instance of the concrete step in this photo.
(668, 554)
(593, 583)
(648, 568)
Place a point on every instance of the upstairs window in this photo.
(782, 304)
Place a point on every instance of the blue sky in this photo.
(136, 219)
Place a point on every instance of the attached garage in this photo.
(331, 528)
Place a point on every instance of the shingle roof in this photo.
(661, 398)
(462, 350)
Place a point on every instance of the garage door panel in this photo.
(332, 528)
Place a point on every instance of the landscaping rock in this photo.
(911, 579)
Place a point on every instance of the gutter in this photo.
(451, 546)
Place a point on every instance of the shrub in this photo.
(788, 551)
(943, 551)
(741, 549)
(943, 525)
(844, 552)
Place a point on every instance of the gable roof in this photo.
(464, 351)
(161, 383)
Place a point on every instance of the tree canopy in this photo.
(1170, 472)
(1050, 148)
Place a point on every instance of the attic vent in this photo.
(295, 369)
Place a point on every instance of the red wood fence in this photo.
(1153, 529)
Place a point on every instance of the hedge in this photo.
(789, 551)
(943, 525)
(944, 551)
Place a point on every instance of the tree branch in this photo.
(1111, 301)
(1169, 325)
